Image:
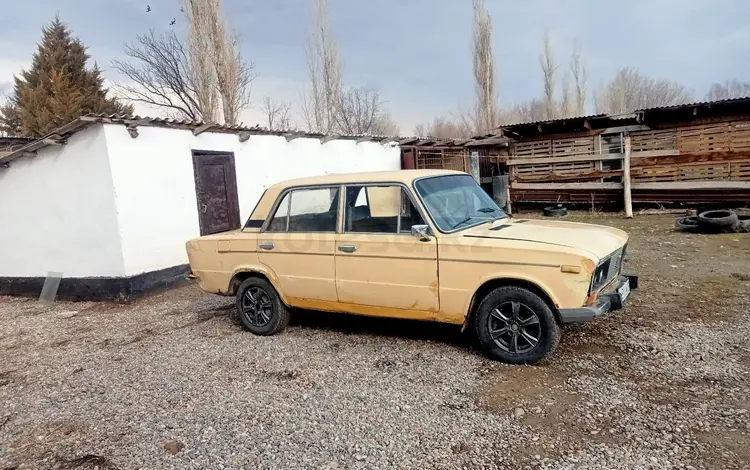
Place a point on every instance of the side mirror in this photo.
(422, 232)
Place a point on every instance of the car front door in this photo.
(298, 243)
(379, 263)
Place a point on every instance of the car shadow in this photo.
(379, 326)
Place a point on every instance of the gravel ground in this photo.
(169, 382)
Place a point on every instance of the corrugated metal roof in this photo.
(698, 103)
(547, 121)
(185, 123)
(628, 115)
(197, 127)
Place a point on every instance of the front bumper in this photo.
(607, 302)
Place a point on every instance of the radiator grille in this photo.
(609, 268)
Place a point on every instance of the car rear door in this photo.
(298, 243)
(378, 262)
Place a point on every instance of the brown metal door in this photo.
(216, 192)
(408, 159)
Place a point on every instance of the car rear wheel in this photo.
(515, 325)
(259, 308)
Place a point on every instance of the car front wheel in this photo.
(515, 325)
(259, 308)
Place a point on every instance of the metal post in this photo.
(626, 178)
(474, 166)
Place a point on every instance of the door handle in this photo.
(267, 245)
(347, 248)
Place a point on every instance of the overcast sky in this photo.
(417, 51)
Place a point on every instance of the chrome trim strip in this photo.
(390, 257)
(513, 263)
(295, 253)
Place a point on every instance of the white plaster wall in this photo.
(57, 212)
(155, 189)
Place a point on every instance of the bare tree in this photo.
(201, 16)
(443, 127)
(218, 57)
(470, 119)
(528, 111)
(728, 90)
(162, 75)
(320, 102)
(566, 102)
(386, 125)
(421, 130)
(278, 113)
(549, 67)
(630, 90)
(361, 112)
(484, 72)
(202, 77)
(580, 78)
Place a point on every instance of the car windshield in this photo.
(457, 202)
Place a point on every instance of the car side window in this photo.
(379, 209)
(306, 210)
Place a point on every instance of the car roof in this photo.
(400, 176)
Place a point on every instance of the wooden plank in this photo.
(717, 184)
(569, 176)
(197, 131)
(654, 153)
(684, 159)
(615, 130)
(576, 158)
(626, 178)
(515, 185)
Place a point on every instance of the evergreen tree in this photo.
(58, 87)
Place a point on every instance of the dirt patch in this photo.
(8, 376)
(681, 392)
(282, 375)
(725, 449)
(522, 385)
(710, 298)
(541, 399)
(88, 461)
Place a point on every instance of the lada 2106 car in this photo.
(415, 244)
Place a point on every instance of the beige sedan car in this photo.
(417, 244)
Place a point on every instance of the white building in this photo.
(109, 201)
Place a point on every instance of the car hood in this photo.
(598, 240)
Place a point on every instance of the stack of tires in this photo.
(714, 221)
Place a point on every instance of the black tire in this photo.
(717, 218)
(687, 223)
(505, 307)
(259, 307)
(555, 211)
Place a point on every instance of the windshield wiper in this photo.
(487, 210)
(462, 222)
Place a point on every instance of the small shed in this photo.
(696, 153)
(109, 201)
